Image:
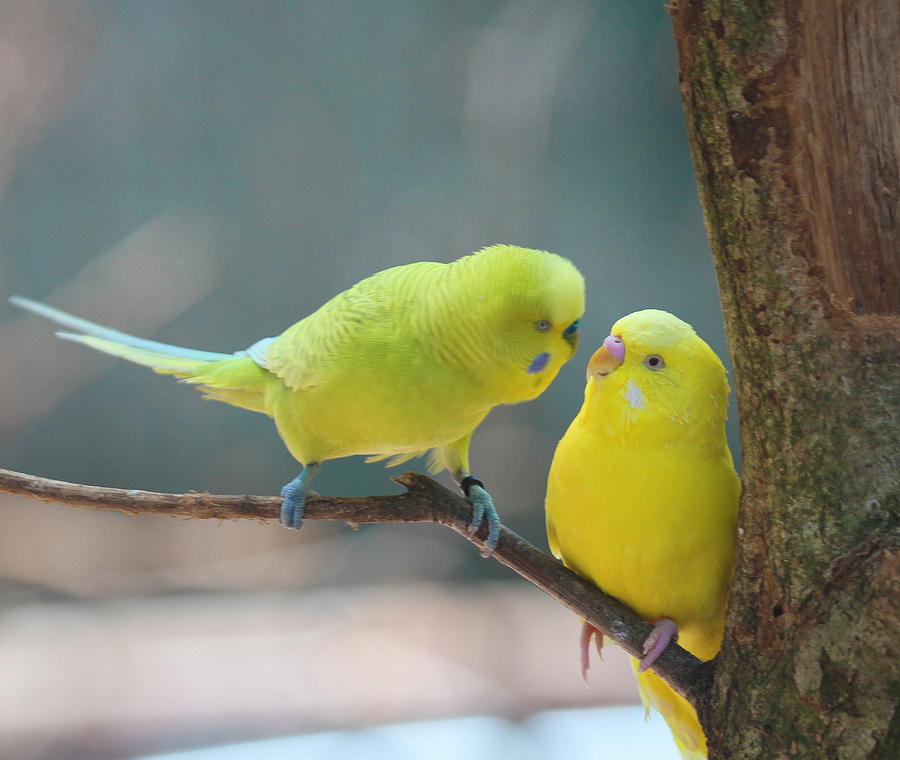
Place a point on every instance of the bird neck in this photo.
(625, 418)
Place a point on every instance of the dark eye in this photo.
(542, 325)
(654, 362)
(571, 329)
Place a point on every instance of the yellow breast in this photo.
(652, 527)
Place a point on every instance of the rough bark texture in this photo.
(793, 114)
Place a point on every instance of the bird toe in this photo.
(664, 632)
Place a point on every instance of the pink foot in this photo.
(664, 632)
(587, 633)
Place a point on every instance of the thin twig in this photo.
(424, 501)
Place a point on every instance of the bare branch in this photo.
(424, 501)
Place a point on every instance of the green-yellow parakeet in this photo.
(408, 360)
(642, 495)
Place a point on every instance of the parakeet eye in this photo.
(542, 325)
(654, 362)
(571, 329)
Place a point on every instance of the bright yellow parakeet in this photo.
(408, 360)
(642, 495)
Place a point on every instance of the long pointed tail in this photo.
(150, 353)
(233, 378)
(676, 710)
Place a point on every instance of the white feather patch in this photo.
(633, 395)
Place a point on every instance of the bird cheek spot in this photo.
(539, 363)
(634, 396)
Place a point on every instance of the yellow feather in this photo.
(677, 712)
(642, 494)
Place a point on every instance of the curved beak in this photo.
(606, 358)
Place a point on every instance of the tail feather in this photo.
(232, 378)
(106, 336)
(677, 711)
(161, 362)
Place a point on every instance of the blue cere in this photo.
(539, 363)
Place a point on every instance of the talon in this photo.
(589, 632)
(664, 632)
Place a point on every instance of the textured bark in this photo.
(793, 115)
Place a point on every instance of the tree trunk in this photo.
(793, 114)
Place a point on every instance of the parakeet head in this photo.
(518, 312)
(654, 379)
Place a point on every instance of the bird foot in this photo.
(664, 632)
(589, 632)
(483, 509)
(293, 499)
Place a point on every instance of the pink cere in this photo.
(615, 346)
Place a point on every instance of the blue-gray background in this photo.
(205, 173)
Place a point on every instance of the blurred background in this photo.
(207, 172)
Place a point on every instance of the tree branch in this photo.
(424, 501)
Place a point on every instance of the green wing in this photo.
(370, 311)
